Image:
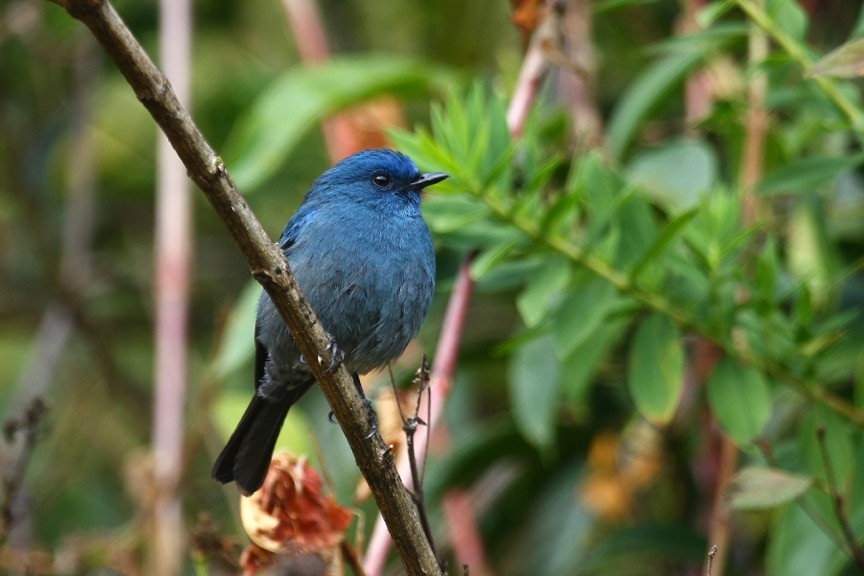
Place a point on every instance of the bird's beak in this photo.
(427, 180)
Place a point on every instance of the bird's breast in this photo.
(370, 281)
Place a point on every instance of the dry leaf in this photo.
(291, 511)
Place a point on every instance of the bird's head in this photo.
(375, 176)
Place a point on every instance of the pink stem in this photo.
(173, 261)
(467, 543)
(530, 79)
(531, 76)
(340, 134)
(439, 388)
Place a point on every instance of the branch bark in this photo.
(269, 268)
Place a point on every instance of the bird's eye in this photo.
(381, 180)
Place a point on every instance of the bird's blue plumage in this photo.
(362, 255)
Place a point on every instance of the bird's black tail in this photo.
(246, 457)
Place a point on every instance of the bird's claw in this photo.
(373, 419)
(336, 356)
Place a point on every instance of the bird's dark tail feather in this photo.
(246, 457)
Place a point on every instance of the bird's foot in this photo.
(373, 418)
(336, 355)
(370, 411)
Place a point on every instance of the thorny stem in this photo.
(854, 550)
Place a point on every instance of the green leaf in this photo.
(588, 358)
(705, 41)
(789, 16)
(713, 12)
(601, 6)
(670, 232)
(587, 302)
(798, 546)
(811, 255)
(534, 378)
(757, 488)
(808, 175)
(511, 274)
(839, 437)
(645, 93)
(560, 215)
(236, 344)
(847, 61)
(489, 259)
(740, 400)
(677, 175)
(542, 292)
(300, 98)
(655, 369)
(446, 214)
(633, 227)
(767, 273)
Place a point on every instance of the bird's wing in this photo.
(295, 225)
(260, 359)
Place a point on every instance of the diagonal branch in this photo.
(269, 268)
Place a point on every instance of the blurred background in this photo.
(575, 479)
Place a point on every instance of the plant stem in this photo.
(173, 262)
(799, 54)
(659, 303)
(268, 267)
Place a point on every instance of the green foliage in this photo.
(655, 370)
(740, 399)
(534, 383)
(757, 488)
(295, 102)
(664, 237)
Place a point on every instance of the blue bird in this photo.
(363, 256)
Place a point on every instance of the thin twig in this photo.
(27, 427)
(534, 68)
(851, 542)
(719, 524)
(349, 555)
(269, 267)
(439, 388)
(409, 426)
(711, 553)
